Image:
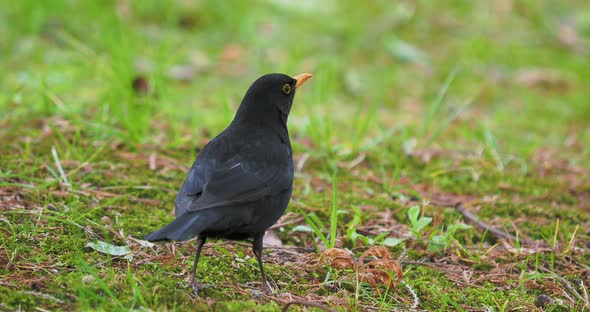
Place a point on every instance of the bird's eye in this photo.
(287, 88)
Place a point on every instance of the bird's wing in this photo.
(235, 185)
(196, 179)
(191, 188)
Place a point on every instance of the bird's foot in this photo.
(266, 288)
(197, 286)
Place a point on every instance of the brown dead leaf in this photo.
(377, 277)
(337, 258)
(382, 272)
(379, 271)
(378, 252)
(385, 264)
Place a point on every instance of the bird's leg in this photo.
(194, 282)
(257, 249)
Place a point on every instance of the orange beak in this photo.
(301, 79)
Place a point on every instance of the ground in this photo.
(442, 153)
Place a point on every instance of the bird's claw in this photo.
(266, 289)
(196, 285)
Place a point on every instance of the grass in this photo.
(102, 105)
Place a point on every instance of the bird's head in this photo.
(270, 96)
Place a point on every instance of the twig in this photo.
(307, 304)
(280, 225)
(566, 283)
(471, 218)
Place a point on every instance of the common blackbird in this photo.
(241, 182)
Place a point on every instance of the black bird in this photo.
(241, 182)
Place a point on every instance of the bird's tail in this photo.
(183, 228)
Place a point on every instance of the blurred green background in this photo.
(480, 99)
(390, 59)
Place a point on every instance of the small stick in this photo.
(280, 225)
(471, 218)
(565, 282)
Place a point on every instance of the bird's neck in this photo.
(267, 116)
(263, 124)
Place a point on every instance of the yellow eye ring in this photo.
(287, 88)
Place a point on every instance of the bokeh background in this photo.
(510, 60)
(103, 103)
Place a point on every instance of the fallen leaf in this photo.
(338, 258)
(380, 271)
(376, 277)
(109, 249)
(378, 252)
